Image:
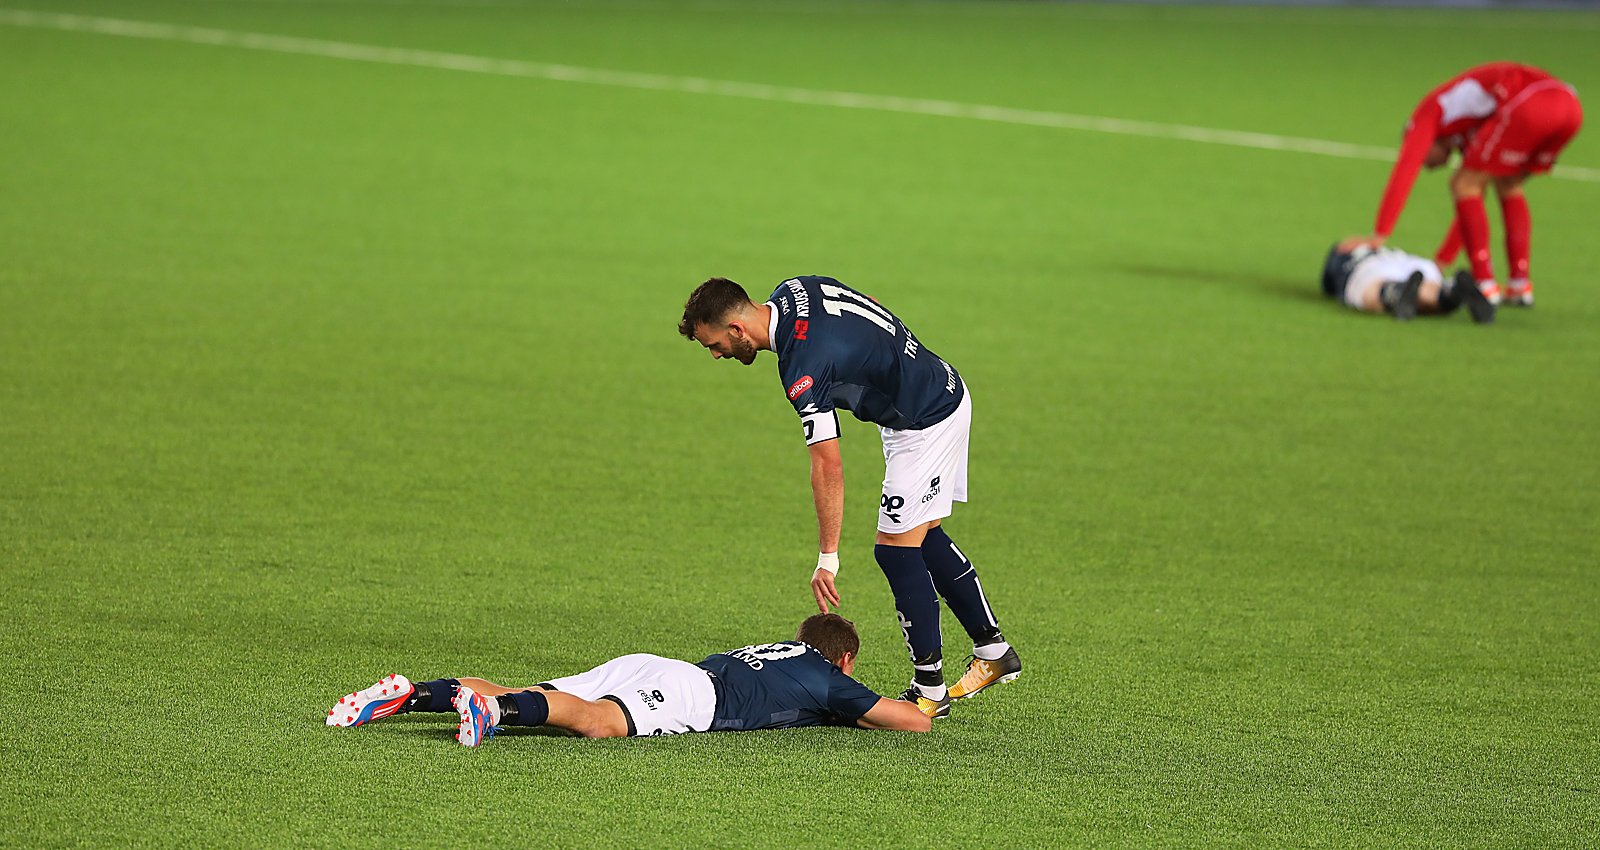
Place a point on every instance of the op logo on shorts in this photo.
(799, 387)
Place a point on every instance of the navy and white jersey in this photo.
(1348, 275)
(839, 348)
(1337, 267)
(780, 685)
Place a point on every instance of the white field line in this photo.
(699, 85)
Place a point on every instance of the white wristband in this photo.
(828, 561)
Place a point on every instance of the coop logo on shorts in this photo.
(652, 699)
(799, 387)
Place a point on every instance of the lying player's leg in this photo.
(490, 689)
(395, 694)
(1397, 297)
(1405, 298)
(480, 715)
(638, 694)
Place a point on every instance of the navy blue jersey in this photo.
(1337, 267)
(839, 348)
(779, 685)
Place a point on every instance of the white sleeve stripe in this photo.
(1466, 99)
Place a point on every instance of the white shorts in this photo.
(1385, 265)
(924, 472)
(660, 696)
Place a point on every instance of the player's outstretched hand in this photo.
(1350, 243)
(822, 588)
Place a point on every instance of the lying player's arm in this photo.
(827, 492)
(898, 715)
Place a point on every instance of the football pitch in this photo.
(338, 339)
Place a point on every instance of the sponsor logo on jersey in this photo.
(799, 387)
(950, 378)
(801, 327)
(802, 299)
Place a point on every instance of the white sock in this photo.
(991, 651)
(933, 692)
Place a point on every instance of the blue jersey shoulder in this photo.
(780, 685)
(840, 348)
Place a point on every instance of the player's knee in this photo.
(603, 719)
(1508, 187)
(600, 727)
(1467, 183)
(909, 538)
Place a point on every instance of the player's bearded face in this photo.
(742, 349)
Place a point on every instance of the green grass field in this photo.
(314, 369)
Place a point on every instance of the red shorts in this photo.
(1527, 132)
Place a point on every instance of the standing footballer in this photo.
(838, 348)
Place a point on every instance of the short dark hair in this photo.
(831, 635)
(710, 304)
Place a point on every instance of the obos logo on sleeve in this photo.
(799, 387)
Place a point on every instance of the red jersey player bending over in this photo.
(1509, 121)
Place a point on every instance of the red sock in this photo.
(1451, 246)
(1474, 227)
(1519, 232)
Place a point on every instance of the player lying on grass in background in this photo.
(1387, 280)
(803, 682)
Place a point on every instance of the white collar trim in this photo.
(772, 326)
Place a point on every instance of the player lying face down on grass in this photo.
(838, 348)
(802, 682)
(1387, 280)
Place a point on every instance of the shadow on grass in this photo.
(1294, 288)
(443, 726)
